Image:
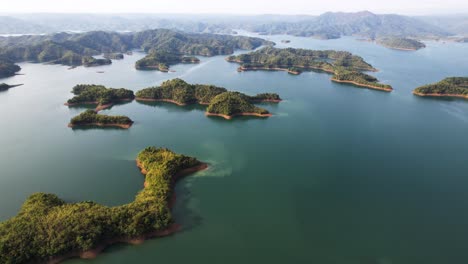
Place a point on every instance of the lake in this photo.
(339, 174)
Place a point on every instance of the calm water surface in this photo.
(339, 174)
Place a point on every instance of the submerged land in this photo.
(448, 87)
(219, 100)
(345, 67)
(92, 118)
(49, 230)
(99, 95)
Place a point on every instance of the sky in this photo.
(310, 7)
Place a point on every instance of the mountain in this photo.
(457, 24)
(334, 25)
(11, 25)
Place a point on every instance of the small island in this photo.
(285, 41)
(99, 95)
(89, 61)
(113, 56)
(91, 118)
(160, 60)
(345, 67)
(448, 87)
(181, 93)
(401, 43)
(231, 104)
(49, 230)
(4, 86)
(8, 68)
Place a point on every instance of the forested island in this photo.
(161, 60)
(218, 99)
(448, 87)
(99, 95)
(4, 86)
(401, 43)
(49, 230)
(92, 118)
(8, 68)
(345, 67)
(164, 47)
(113, 56)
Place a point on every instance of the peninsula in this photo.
(92, 118)
(218, 99)
(4, 86)
(448, 87)
(99, 95)
(49, 230)
(345, 67)
(8, 68)
(401, 43)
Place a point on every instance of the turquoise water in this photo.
(339, 174)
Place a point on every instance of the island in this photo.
(401, 43)
(4, 86)
(345, 67)
(92, 118)
(160, 60)
(113, 56)
(231, 104)
(49, 230)
(359, 79)
(448, 87)
(218, 99)
(99, 95)
(285, 41)
(162, 46)
(8, 68)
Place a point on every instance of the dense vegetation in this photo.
(160, 60)
(113, 56)
(181, 92)
(76, 49)
(98, 94)
(232, 103)
(401, 43)
(448, 86)
(358, 78)
(90, 117)
(8, 68)
(89, 61)
(344, 65)
(298, 59)
(4, 86)
(47, 226)
(218, 99)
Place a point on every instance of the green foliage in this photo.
(343, 74)
(180, 91)
(401, 43)
(8, 68)
(231, 103)
(296, 59)
(113, 56)
(451, 85)
(47, 226)
(87, 93)
(164, 46)
(91, 117)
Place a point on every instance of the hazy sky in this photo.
(235, 6)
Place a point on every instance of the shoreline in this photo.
(170, 230)
(243, 69)
(363, 85)
(124, 126)
(440, 95)
(229, 117)
(266, 101)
